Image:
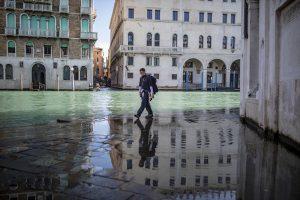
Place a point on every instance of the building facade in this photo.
(98, 64)
(270, 94)
(184, 44)
(46, 44)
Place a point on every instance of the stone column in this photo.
(227, 77)
(204, 79)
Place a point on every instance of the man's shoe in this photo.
(149, 117)
(137, 116)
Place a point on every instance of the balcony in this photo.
(89, 35)
(64, 8)
(64, 34)
(10, 31)
(37, 7)
(151, 50)
(86, 10)
(10, 4)
(37, 33)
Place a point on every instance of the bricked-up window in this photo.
(29, 49)
(131, 13)
(157, 39)
(130, 60)
(149, 61)
(174, 62)
(85, 52)
(47, 50)
(11, 48)
(149, 39)
(224, 42)
(174, 40)
(156, 76)
(185, 41)
(66, 75)
(156, 61)
(209, 42)
(174, 76)
(129, 75)
(130, 38)
(75, 73)
(83, 73)
(200, 41)
(64, 50)
(9, 75)
(209, 17)
(1, 72)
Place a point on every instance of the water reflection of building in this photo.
(191, 155)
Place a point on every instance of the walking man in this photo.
(146, 93)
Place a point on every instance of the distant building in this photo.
(184, 44)
(44, 41)
(98, 64)
(270, 90)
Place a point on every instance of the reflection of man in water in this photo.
(147, 143)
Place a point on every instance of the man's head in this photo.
(142, 71)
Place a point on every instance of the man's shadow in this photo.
(147, 143)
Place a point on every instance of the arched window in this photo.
(224, 42)
(66, 73)
(11, 48)
(9, 72)
(24, 24)
(76, 73)
(130, 38)
(64, 27)
(156, 39)
(43, 26)
(85, 25)
(149, 39)
(185, 41)
(11, 20)
(209, 42)
(52, 26)
(83, 73)
(201, 41)
(1, 72)
(34, 25)
(174, 40)
(232, 42)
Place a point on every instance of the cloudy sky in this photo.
(104, 9)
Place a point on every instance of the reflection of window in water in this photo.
(183, 181)
(155, 183)
(206, 138)
(228, 159)
(147, 181)
(205, 180)
(148, 163)
(199, 141)
(220, 179)
(183, 139)
(172, 162)
(197, 181)
(129, 143)
(198, 161)
(155, 162)
(183, 163)
(220, 159)
(173, 138)
(129, 164)
(230, 136)
(227, 180)
(172, 181)
(205, 160)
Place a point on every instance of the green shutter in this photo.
(85, 46)
(11, 22)
(64, 24)
(11, 44)
(51, 24)
(64, 45)
(34, 23)
(24, 22)
(85, 3)
(85, 25)
(43, 24)
(29, 43)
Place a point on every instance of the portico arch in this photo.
(192, 77)
(235, 75)
(38, 76)
(216, 74)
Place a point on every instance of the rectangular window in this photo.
(233, 1)
(64, 51)
(205, 180)
(198, 161)
(197, 181)
(232, 18)
(129, 164)
(174, 77)
(183, 163)
(225, 0)
(85, 52)
(227, 179)
(172, 162)
(130, 60)
(149, 14)
(156, 76)
(149, 61)
(174, 62)
(147, 181)
(205, 160)
(29, 50)
(47, 50)
(157, 14)
(155, 183)
(220, 179)
(186, 17)
(129, 75)
(183, 181)
(201, 17)
(172, 181)
(228, 159)
(209, 17)
(131, 13)
(220, 159)
(175, 15)
(156, 61)
(224, 18)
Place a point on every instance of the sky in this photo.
(104, 10)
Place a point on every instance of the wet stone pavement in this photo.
(187, 153)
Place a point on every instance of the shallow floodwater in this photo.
(194, 148)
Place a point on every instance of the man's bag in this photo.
(153, 84)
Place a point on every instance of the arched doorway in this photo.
(216, 75)
(38, 77)
(235, 75)
(192, 75)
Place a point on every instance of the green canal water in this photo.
(31, 108)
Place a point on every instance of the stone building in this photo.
(185, 44)
(44, 41)
(270, 94)
(98, 64)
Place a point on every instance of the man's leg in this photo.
(149, 109)
(143, 106)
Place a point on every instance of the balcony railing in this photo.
(10, 31)
(150, 50)
(85, 10)
(64, 34)
(89, 35)
(37, 33)
(10, 4)
(37, 7)
(64, 8)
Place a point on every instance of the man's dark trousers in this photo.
(145, 104)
